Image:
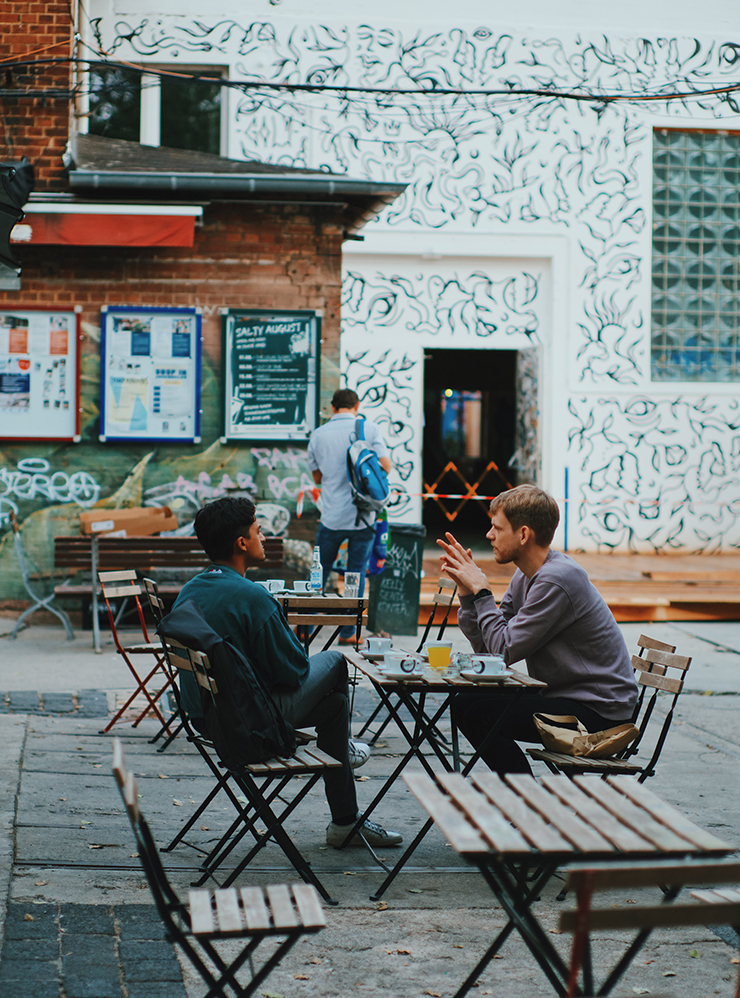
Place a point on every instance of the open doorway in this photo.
(470, 406)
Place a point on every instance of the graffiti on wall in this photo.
(33, 480)
(482, 162)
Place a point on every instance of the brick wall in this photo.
(37, 125)
(245, 256)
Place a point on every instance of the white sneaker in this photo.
(373, 833)
(359, 753)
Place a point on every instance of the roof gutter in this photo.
(236, 183)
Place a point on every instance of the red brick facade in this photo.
(36, 125)
(244, 256)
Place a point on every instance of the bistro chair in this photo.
(251, 914)
(717, 906)
(657, 670)
(125, 585)
(444, 597)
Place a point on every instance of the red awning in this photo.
(97, 229)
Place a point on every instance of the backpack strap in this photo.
(360, 428)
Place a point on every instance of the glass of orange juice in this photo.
(439, 654)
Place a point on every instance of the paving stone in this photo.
(98, 951)
(38, 989)
(153, 970)
(58, 703)
(30, 949)
(92, 703)
(140, 921)
(86, 919)
(155, 989)
(24, 701)
(140, 949)
(27, 970)
(89, 986)
(44, 922)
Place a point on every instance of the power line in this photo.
(357, 93)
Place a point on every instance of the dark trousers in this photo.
(322, 702)
(476, 713)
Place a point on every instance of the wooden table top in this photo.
(557, 818)
(441, 683)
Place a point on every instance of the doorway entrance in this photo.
(470, 408)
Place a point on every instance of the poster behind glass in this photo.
(271, 369)
(39, 374)
(150, 374)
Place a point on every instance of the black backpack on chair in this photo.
(241, 719)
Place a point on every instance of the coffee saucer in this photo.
(480, 677)
(403, 676)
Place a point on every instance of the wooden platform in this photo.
(638, 587)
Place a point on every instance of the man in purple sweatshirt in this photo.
(552, 617)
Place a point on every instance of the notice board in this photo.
(270, 374)
(39, 374)
(150, 374)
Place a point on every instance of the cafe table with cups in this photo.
(310, 610)
(404, 679)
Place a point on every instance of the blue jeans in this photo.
(359, 549)
(322, 702)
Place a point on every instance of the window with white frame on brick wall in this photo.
(165, 106)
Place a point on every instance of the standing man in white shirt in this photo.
(340, 520)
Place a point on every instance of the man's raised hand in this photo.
(457, 562)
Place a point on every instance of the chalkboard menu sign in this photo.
(394, 594)
(270, 374)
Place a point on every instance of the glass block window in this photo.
(696, 257)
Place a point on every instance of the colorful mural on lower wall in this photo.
(46, 485)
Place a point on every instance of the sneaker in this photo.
(375, 835)
(348, 641)
(359, 753)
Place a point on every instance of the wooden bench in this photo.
(251, 914)
(92, 553)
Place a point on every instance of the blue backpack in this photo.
(368, 481)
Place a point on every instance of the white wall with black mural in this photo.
(651, 465)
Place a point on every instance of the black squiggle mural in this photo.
(501, 165)
(658, 474)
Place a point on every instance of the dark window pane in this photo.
(191, 115)
(115, 102)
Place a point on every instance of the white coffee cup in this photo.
(302, 586)
(378, 646)
(400, 663)
(275, 585)
(488, 665)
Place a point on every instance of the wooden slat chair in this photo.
(652, 673)
(444, 597)
(301, 613)
(125, 585)
(264, 784)
(718, 907)
(177, 659)
(251, 914)
(150, 590)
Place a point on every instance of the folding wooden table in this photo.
(523, 827)
(421, 732)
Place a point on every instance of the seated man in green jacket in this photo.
(309, 692)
